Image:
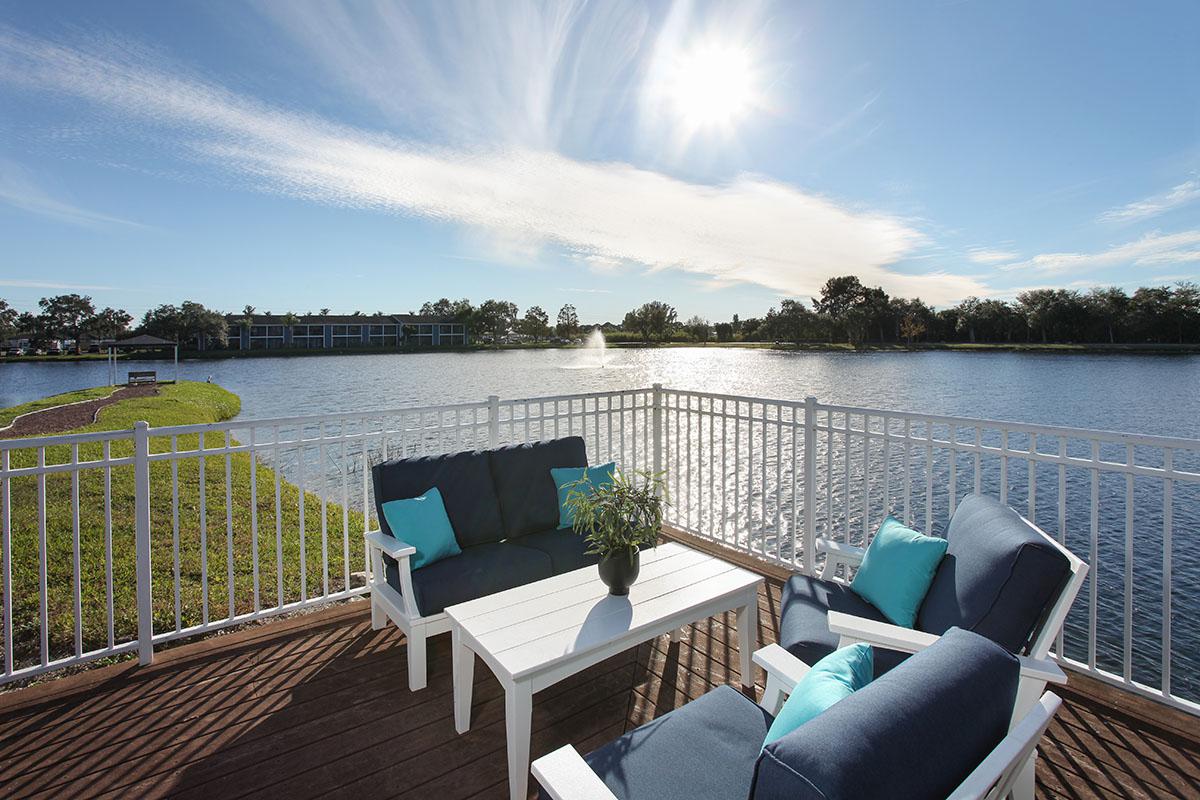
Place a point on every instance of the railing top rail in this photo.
(550, 398)
(30, 442)
(1117, 437)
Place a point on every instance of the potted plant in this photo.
(617, 519)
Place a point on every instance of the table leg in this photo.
(747, 626)
(464, 681)
(518, 717)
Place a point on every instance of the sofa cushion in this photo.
(916, 732)
(704, 750)
(465, 483)
(526, 492)
(566, 548)
(804, 624)
(475, 572)
(998, 578)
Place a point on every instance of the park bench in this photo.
(143, 378)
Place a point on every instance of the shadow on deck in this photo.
(318, 706)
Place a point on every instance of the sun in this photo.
(712, 85)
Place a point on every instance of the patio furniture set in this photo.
(951, 703)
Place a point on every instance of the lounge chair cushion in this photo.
(477, 571)
(526, 491)
(566, 548)
(804, 619)
(998, 578)
(465, 483)
(704, 750)
(914, 733)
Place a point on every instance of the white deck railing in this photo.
(124, 540)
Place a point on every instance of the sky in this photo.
(297, 155)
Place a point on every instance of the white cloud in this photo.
(19, 189)
(750, 229)
(1151, 249)
(1154, 205)
(981, 255)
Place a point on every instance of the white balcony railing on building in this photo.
(121, 541)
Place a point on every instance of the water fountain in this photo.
(595, 344)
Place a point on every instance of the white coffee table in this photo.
(536, 635)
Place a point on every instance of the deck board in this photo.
(318, 705)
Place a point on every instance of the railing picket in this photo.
(202, 461)
(176, 570)
(1127, 645)
(229, 557)
(77, 567)
(254, 518)
(278, 518)
(6, 565)
(108, 548)
(43, 580)
(322, 460)
(1094, 589)
(1167, 567)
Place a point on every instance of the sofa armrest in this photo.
(880, 634)
(837, 553)
(783, 670)
(566, 776)
(389, 545)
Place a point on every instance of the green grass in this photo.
(7, 415)
(178, 404)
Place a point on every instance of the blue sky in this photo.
(295, 155)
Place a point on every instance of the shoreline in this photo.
(813, 347)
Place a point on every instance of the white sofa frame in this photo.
(401, 606)
(566, 776)
(854, 629)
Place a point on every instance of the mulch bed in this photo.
(68, 417)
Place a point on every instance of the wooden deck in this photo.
(318, 706)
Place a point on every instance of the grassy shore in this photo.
(203, 546)
(7, 415)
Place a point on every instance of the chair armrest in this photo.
(846, 553)
(389, 545)
(566, 776)
(779, 663)
(1042, 670)
(881, 634)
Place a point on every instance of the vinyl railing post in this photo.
(141, 541)
(657, 422)
(810, 484)
(493, 402)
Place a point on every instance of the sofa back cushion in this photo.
(915, 732)
(998, 578)
(527, 493)
(465, 483)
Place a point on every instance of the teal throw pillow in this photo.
(835, 677)
(897, 569)
(422, 522)
(566, 478)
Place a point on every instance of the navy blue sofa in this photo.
(503, 506)
(1001, 577)
(915, 733)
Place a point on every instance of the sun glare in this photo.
(713, 85)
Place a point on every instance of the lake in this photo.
(1138, 393)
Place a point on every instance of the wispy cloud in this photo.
(1152, 206)
(750, 229)
(1154, 248)
(19, 188)
(981, 255)
(17, 283)
(586, 291)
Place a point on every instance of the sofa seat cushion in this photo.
(526, 491)
(915, 733)
(700, 751)
(475, 572)
(804, 624)
(999, 576)
(566, 548)
(465, 483)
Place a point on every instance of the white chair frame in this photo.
(566, 776)
(894, 637)
(401, 607)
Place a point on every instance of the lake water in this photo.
(1136, 393)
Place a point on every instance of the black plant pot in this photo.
(619, 571)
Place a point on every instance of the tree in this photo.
(653, 319)
(190, 323)
(1184, 309)
(497, 317)
(876, 311)
(842, 301)
(109, 323)
(325, 312)
(724, 331)
(535, 324)
(968, 316)
(793, 322)
(568, 322)
(289, 321)
(912, 327)
(1108, 305)
(8, 320)
(67, 316)
(697, 328)
(248, 310)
